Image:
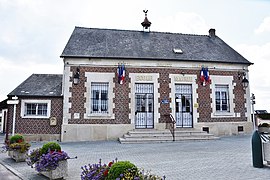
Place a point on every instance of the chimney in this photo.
(212, 33)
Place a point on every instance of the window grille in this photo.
(183, 105)
(183, 89)
(222, 98)
(144, 88)
(99, 98)
(144, 100)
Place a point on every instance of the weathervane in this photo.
(145, 11)
(146, 23)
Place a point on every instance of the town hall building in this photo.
(116, 81)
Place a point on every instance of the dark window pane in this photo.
(218, 107)
(99, 100)
(222, 98)
(97, 95)
(42, 110)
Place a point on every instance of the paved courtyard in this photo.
(228, 158)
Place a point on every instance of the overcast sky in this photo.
(33, 33)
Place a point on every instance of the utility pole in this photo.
(14, 101)
(252, 98)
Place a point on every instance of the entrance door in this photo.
(144, 106)
(183, 105)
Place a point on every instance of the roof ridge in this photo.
(129, 30)
(45, 74)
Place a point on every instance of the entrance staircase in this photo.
(161, 136)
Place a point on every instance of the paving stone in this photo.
(228, 158)
(6, 174)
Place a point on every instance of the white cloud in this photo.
(259, 73)
(183, 22)
(12, 74)
(264, 26)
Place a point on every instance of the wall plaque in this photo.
(144, 78)
(182, 79)
(76, 115)
(53, 121)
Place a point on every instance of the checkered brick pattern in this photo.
(37, 126)
(204, 100)
(122, 99)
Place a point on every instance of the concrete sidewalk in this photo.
(8, 173)
(229, 158)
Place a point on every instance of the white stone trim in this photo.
(102, 62)
(185, 79)
(4, 119)
(66, 94)
(222, 80)
(150, 78)
(248, 104)
(99, 78)
(37, 101)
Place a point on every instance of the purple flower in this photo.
(47, 161)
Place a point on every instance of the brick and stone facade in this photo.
(39, 101)
(37, 129)
(164, 78)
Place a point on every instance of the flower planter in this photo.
(17, 155)
(61, 172)
(266, 152)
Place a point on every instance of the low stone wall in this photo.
(42, 137)
(226, 128)
(94, 132)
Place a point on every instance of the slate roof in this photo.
(40, 85)
(127, 44)
(3, 104)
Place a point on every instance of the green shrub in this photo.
(16, 139)
(17, 143)
(121, 167)
(52, 146)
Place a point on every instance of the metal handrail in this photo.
(170, 123)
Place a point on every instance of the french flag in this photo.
(121, 73)
(202, 75)
(206, 75)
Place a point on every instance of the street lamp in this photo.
(76, 77)
(245, 82)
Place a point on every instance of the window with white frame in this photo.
(36, 108)
(222, 98)
(99, 98)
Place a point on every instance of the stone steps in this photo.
(160, 136)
